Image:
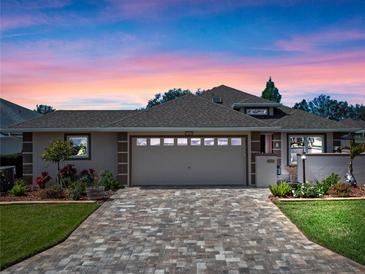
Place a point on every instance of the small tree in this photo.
(355, 150)
(57, 152)
(44, 109)
(271, 92)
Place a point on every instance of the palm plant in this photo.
(355, 150)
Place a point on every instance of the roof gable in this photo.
(11, 113)
(189, 111)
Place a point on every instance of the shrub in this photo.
(77, 189)
(43, 179)
(68, 174)
(281, 189)
(308, 190)
(52, 192)
(330, 181)
(107, 180)
(340, 190)
(19, 188)
(89, 176)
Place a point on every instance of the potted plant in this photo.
(94, 191)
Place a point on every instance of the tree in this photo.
(271, 92)
(302, 105)
(324, 106)
(167, 96)
(58, 151)
(355, 150)
(44, 109)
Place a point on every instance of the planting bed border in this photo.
(47, 202)
(317, 199)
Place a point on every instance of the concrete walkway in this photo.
(207, 230)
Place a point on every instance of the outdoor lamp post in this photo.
(303, 157)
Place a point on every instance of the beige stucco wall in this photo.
(319, 166)
(103, 153)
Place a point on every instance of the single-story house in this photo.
(210, 139)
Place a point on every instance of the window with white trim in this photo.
(182, 141)
(209, 141)
(195, 141)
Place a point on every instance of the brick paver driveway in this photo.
(207, 230)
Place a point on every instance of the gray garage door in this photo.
(188, 161)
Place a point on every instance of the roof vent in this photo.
(217, 100)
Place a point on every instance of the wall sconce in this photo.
(303, 157)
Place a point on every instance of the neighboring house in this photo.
(10, 113)
(212, 139)
(359, 136)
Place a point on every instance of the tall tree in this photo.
(271, 92)
(167, 96)
(44, 109)
(324, 106)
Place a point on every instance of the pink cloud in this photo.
(306, 43)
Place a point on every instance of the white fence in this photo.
(319, 166)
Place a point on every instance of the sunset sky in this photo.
(117, 54)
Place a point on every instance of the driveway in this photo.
(206, 230)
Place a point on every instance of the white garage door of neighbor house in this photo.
(188, 161)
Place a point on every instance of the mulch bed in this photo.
(356, 192)
(34, 195)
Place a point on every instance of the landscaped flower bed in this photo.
(330, 187)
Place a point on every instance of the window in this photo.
(141, 142)
(257, 111)
(168, 141)
(81, 146)
(195, 141)
(182, 141)
(222, 141)
(236, 141)
(155, 141)
(307, 144)
(209, 141)
(266, 143)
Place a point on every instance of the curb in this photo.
(318, 199)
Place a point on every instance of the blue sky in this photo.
(117, 54)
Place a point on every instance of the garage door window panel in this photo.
(195, 141)
(209, 141)
(222, 142)
(236, 141)
(141, 142)
(182, 141)
(168, 141)
(155, 141)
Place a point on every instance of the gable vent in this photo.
(217, 100)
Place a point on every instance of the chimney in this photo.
(217, 100)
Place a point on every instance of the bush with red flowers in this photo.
(43, 179)
(89, 176)
(68, 174)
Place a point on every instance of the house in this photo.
(211, 139)
(10, 113)
(358, 136)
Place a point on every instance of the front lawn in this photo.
(337, 225)
(28, 229)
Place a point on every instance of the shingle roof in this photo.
(189, 111)
(231, 96)
(11, 113)
(354, 123)
(76, 119)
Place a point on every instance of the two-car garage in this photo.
(171, 160)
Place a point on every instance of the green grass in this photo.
(28, 229)
(337, 225)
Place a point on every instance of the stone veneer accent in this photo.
(27, 153)
(123, 158)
